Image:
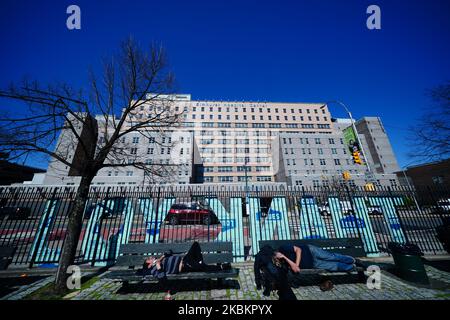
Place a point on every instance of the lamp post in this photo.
(356, 134)
(246, 184)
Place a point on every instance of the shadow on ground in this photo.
(11, 284)
(177, 286)
(315, 280)
(443, 265)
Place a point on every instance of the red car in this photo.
(192, 212)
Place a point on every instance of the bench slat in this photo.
(132, 276)
(160, 248)
(348, 246)
(138, 260)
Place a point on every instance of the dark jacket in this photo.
(262, 259)
(269, 275)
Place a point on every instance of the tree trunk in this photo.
(73, 231)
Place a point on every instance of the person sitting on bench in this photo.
(312, 257)
(192, 261)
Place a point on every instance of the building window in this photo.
(129, 173)
(135, 139)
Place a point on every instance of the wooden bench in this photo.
(6, 256)
(132, 256)
(348, 246)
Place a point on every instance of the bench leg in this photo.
(220, 282)
(125, 284)
(361, 276)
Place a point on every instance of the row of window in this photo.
(310, 162)
(234, 141)
(235, 159)
(316, 140)
(257, 125)
(235, 150)
(163, 140)
(251, 109)
(210, 169)
(324, 183)
(308, 151)
(237, 179)
(253, 117)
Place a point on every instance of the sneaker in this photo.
(266, 292)
(359, 263)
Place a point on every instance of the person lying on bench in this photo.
(192, 261)
(312, 257)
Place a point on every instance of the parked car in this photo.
(193, 212)
(374, 210)
(442, 206)
(110, 207)
(15, 213)
(345, 206)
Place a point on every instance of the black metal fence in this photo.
(34, 219)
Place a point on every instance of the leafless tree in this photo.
(430, 137)
(95, 121)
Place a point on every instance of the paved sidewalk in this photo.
(243, 288)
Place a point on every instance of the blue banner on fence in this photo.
(387, 207)
(263, 226)
(98, 246)
(232, 228)
(40, 246)
(153, 219)
(366, 230)
(312, 225)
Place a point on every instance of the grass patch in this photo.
(47, 292)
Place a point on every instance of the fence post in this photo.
(307, 213)
(97, 239)
(398, 215)
(353, 210)
(41, 231)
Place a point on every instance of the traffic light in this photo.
(346, 175)
(356, 157)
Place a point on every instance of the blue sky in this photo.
(249, 50)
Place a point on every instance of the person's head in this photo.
(150, 261)
(276, 258)
(326, 285)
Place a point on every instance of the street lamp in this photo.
(410, 186)
(356, 133)
(246, 183)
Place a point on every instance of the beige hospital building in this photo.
(231, 142)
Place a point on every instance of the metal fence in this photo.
(34, 219)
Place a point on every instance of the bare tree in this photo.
(430, 137)
(94, 121)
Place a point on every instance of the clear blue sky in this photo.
(249, 50)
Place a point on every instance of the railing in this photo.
(117, 215)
